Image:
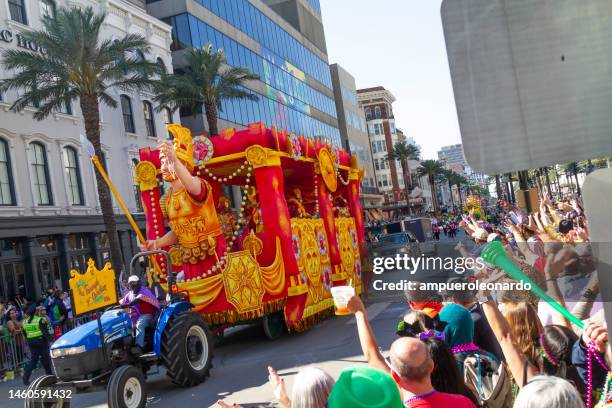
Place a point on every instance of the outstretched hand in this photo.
(167, 151)
(355, 304)
(278, 387)
(224, 404)
(597, 334)
(147, 246)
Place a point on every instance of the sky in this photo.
(398, 44)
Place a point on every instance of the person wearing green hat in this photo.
(364, 387)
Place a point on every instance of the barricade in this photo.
(14, 351)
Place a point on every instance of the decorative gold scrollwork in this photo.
(146, 175)
(243, 284)
(328, 169)
(259, 156)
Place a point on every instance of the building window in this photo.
(378, 129)
(47, 8)
(377, 113)
(128, 115)
(162, 66)
(40, 174)
(368, 113)
(168, 119)
(374, 148)
(78, 247)
(18, 12)
(7, 193)
(73, 176)
(66, 108)
(149, 118)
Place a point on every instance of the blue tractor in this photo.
(101, 355)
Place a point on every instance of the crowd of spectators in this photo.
(54, 307)
(476, 348)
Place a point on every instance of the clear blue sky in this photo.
(398, 44)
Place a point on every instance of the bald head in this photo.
(410, 359)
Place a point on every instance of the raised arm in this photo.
(515, 358)
(582, 309)
(366, 337)
(554, 265)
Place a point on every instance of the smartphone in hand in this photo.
(515, 219)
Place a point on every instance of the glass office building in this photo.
(295, 89)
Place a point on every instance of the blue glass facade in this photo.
(288, 98)
(251, 21)
(316, 5)
(269, 110)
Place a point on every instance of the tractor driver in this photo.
(143, 307)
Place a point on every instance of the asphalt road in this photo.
(240, 363)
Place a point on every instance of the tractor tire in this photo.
(273, 325)
(187, 349)
(127, 388)
(45, 381)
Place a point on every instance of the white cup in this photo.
(341, 296)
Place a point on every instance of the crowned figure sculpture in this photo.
(189, 208)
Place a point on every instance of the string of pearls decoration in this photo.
(219, 179)
(316, 196)
(240, 222)
(346, 183)
(162, 261)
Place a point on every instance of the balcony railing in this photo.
(370, 190)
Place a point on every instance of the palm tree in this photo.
(498, 189)
(573, 169)
(510, 188)
(460, 181)
(449, 176)
(78, 64)
(403, 152)
(431, 168)
(544, 170)
(204, 81)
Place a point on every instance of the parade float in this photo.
(473, 205)
(298, 232)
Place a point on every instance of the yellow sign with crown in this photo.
(94, 289)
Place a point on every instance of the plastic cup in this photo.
(341, 296)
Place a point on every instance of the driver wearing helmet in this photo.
(143, 306)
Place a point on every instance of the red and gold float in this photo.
(299, 230)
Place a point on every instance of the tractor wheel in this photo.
(273, 325)
(127, 388)
(40, 383)
(187, 349)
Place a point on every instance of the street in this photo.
(240, 364)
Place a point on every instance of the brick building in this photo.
(377, 104)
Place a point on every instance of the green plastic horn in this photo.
(495, 253)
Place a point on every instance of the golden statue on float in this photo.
(189, 208)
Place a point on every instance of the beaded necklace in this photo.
(462, 348)
(606, 396)
(592, 352)
(545, 352)
(419, 397)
